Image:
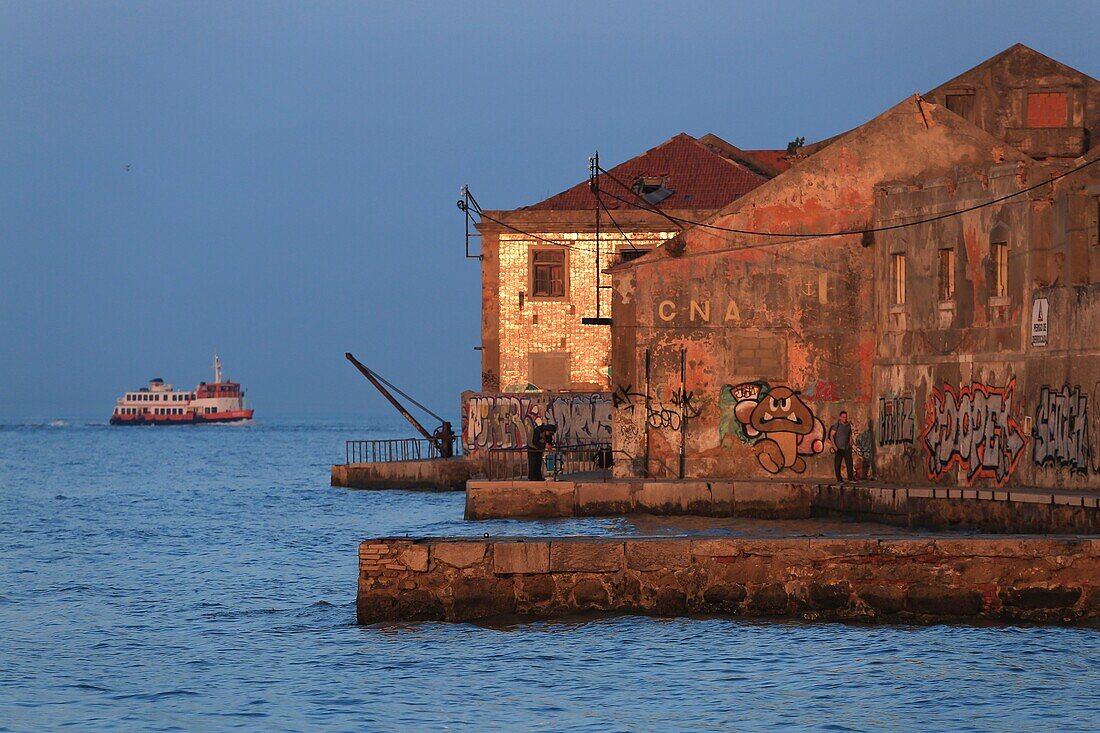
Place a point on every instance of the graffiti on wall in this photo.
(1061, 430)
(773, 419)
(973, 428)
(665, 409)
(896, 424)
(506, 420)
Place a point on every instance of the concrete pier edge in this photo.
(921, 580)
(928, 507)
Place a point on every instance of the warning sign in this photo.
(1040, 316)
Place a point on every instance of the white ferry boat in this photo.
(159, 404)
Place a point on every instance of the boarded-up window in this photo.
(547, 273)
(754, 355)
(962, 105)
(898, 277)
(1047, 109)
(549, 369)
(947, 274)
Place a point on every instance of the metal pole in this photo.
(683, 412)
(645, 425)
(594, 170)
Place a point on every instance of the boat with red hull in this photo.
(158, 404)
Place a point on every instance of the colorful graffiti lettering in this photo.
(505, 420)
(775, 419)
(974, 429)
(896, 424)
(1061, 430)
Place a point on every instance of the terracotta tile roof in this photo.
(699, 177)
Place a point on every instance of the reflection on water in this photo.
(204, 579)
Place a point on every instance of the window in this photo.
(1096, 220)
(999, 257)
(1047, 109)
(547, 273)
(947, 275)
(652, 189)
(962, 104)
(899, 279)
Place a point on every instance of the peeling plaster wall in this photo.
(986, 405)
(999, 89)
(797, 314)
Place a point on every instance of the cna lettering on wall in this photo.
(775, 420)
(505, 421)
(896, 424)
(973, 427)
(1061, 432)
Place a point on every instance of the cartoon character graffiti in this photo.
(776, 420)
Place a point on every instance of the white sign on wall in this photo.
(1040, 315)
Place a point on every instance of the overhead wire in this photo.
(847, 232)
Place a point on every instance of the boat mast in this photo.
(217, 370)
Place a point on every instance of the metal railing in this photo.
(595, 460)
(397, 449)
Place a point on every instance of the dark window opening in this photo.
(962, 105)
(947, 275)
(548, 274)
(652, 189)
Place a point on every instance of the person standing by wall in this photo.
(840, 437)
(542, 436)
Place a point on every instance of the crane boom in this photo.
(386, 393)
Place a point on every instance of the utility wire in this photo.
(483, 215)
(389, 384)
(612, 218)
(871, 230)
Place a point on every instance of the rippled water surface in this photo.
(204, 578)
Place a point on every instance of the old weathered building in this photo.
(733, 351)
(989, 329)
(542, 264)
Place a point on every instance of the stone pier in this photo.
(1050, 580)
(1017, 511)
(543, 499)
(437, 474)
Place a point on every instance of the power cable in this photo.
(871, 230)
(389, 384)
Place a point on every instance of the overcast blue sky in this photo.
(293, 167)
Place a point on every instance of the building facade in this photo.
(734, 352)
(543, 265)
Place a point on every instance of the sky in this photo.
(277, 181)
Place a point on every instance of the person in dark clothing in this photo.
(444, 438)
(541, 438)
(840, 435)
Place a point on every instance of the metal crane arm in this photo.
(386, 393)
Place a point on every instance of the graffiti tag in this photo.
(973, 428)
(506, 421)
(896, 425)
(1061, 430)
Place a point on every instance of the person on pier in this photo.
(542, 437)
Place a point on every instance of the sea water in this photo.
(203, 578)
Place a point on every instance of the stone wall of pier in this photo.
(857, 579)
